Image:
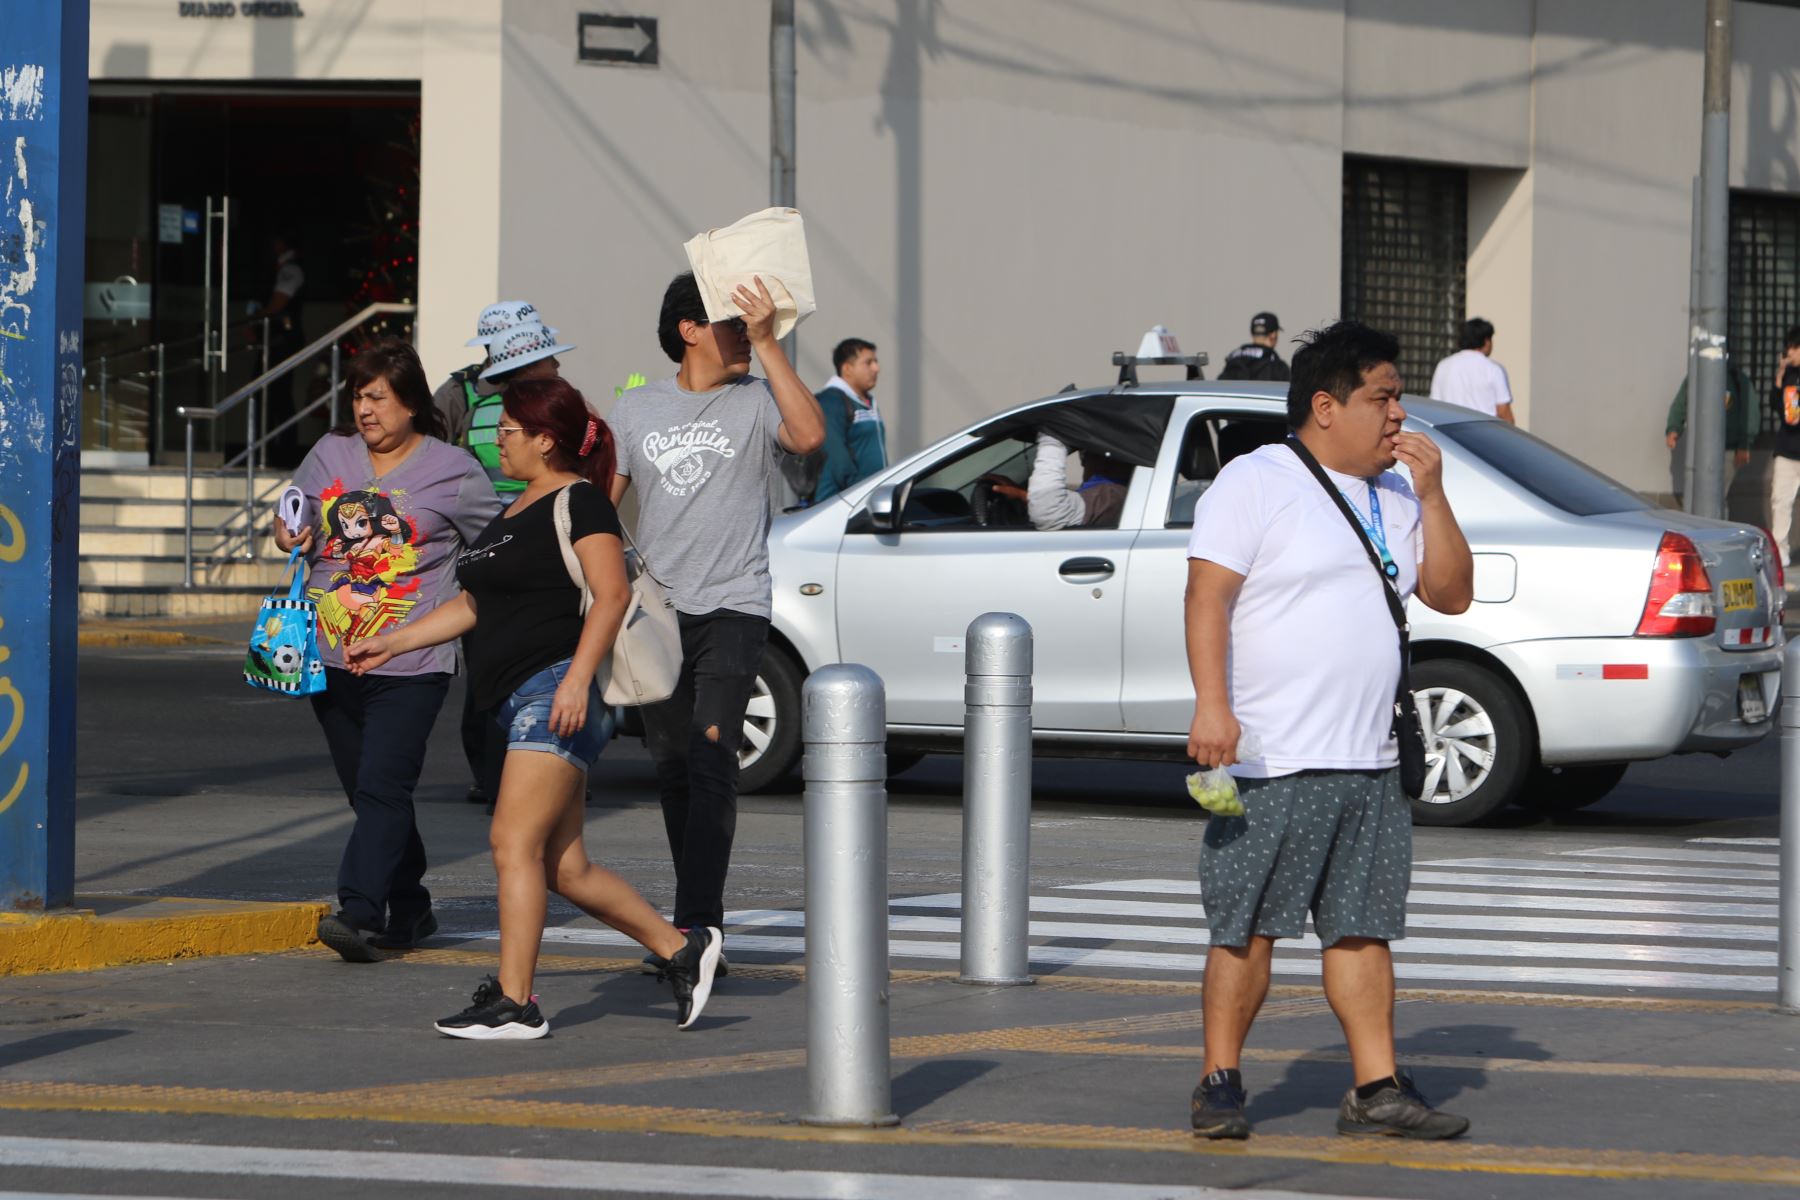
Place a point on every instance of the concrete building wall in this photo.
(459, 198)
(1002, 192)
(1445, 82)
(334, 40)
(997, 199)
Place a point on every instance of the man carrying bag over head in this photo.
(701, 450)
(1300, 562)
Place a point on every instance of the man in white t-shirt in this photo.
(1471, 377)
(1290, 639)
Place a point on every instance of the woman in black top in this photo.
(534, 662)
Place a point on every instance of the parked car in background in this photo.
(1605, 630)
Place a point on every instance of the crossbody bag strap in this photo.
(1395, 608)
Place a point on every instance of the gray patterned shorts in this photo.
(1335, 843)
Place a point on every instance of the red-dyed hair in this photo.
(555, 408)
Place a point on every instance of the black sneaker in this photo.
(690, 971)
(1219, 1108)
(1397, 1111)
(655, 964)
(494, 1018)
(407, 937)
(352, 943)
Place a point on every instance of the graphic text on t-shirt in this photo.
(680, 454)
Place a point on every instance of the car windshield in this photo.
(1542, 469)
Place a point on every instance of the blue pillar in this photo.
(43, 182)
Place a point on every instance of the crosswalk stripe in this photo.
(1307, 965)
(1617, 904)
(500, 1173)
(1191, 887)
(1414, 920)
(1751, 857)
(1605, 868)
(1746, 841)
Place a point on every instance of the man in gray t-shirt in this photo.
(703, 449)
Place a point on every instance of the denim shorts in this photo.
(525, 715)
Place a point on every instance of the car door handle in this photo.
(1085, 569)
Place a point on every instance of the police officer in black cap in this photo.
(1256, 358)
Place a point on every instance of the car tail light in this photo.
(1681, 600)
(1780, 560)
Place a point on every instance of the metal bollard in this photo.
(844, 726)
(996, 882)
(1788, 969)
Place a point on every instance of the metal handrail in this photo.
(248, 392)
(288, 365)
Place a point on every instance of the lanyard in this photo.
(1372, 525)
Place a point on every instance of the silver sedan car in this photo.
(1604, 631)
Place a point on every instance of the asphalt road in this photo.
(1660, 1069)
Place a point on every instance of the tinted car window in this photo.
(1541, 469)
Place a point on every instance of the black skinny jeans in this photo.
(376, 727)
(721, 651)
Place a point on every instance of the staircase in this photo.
(131, 544)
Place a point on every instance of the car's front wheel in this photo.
(1478, 742)
(771, 749)
(771, 723)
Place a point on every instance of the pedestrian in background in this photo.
(1784, 474)
(287, 337)
(1743, 421)
(855, 438)
(1290, 638)
(1471, 377)
(703, 449)
(389, 506)
(470, 407)
(535, 666)
(1257, 358)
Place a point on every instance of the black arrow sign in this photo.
(609, 39)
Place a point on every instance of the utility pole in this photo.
(1706, 323)
(782, 135)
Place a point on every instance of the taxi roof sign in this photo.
(1157, 349)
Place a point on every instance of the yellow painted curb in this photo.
(113, 931)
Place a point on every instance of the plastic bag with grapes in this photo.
(1215, 790)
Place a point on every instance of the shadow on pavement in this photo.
(47, 1044)
(921, 1085)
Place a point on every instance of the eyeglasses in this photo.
(501, 431)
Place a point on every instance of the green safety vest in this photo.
(482, 440)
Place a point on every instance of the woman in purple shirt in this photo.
(389, 508)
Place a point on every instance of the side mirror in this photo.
(886, 505)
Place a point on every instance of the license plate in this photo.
(1740, 594)
(1750, 700)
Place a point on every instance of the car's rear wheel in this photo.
(1478, 742)
(1554, 791)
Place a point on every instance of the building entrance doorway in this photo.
(226, 225)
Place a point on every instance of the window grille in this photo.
(1405, 257)
(1763, 297)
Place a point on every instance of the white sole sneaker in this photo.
(512, 1031)
(709, 965)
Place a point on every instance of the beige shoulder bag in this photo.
(644, 663)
